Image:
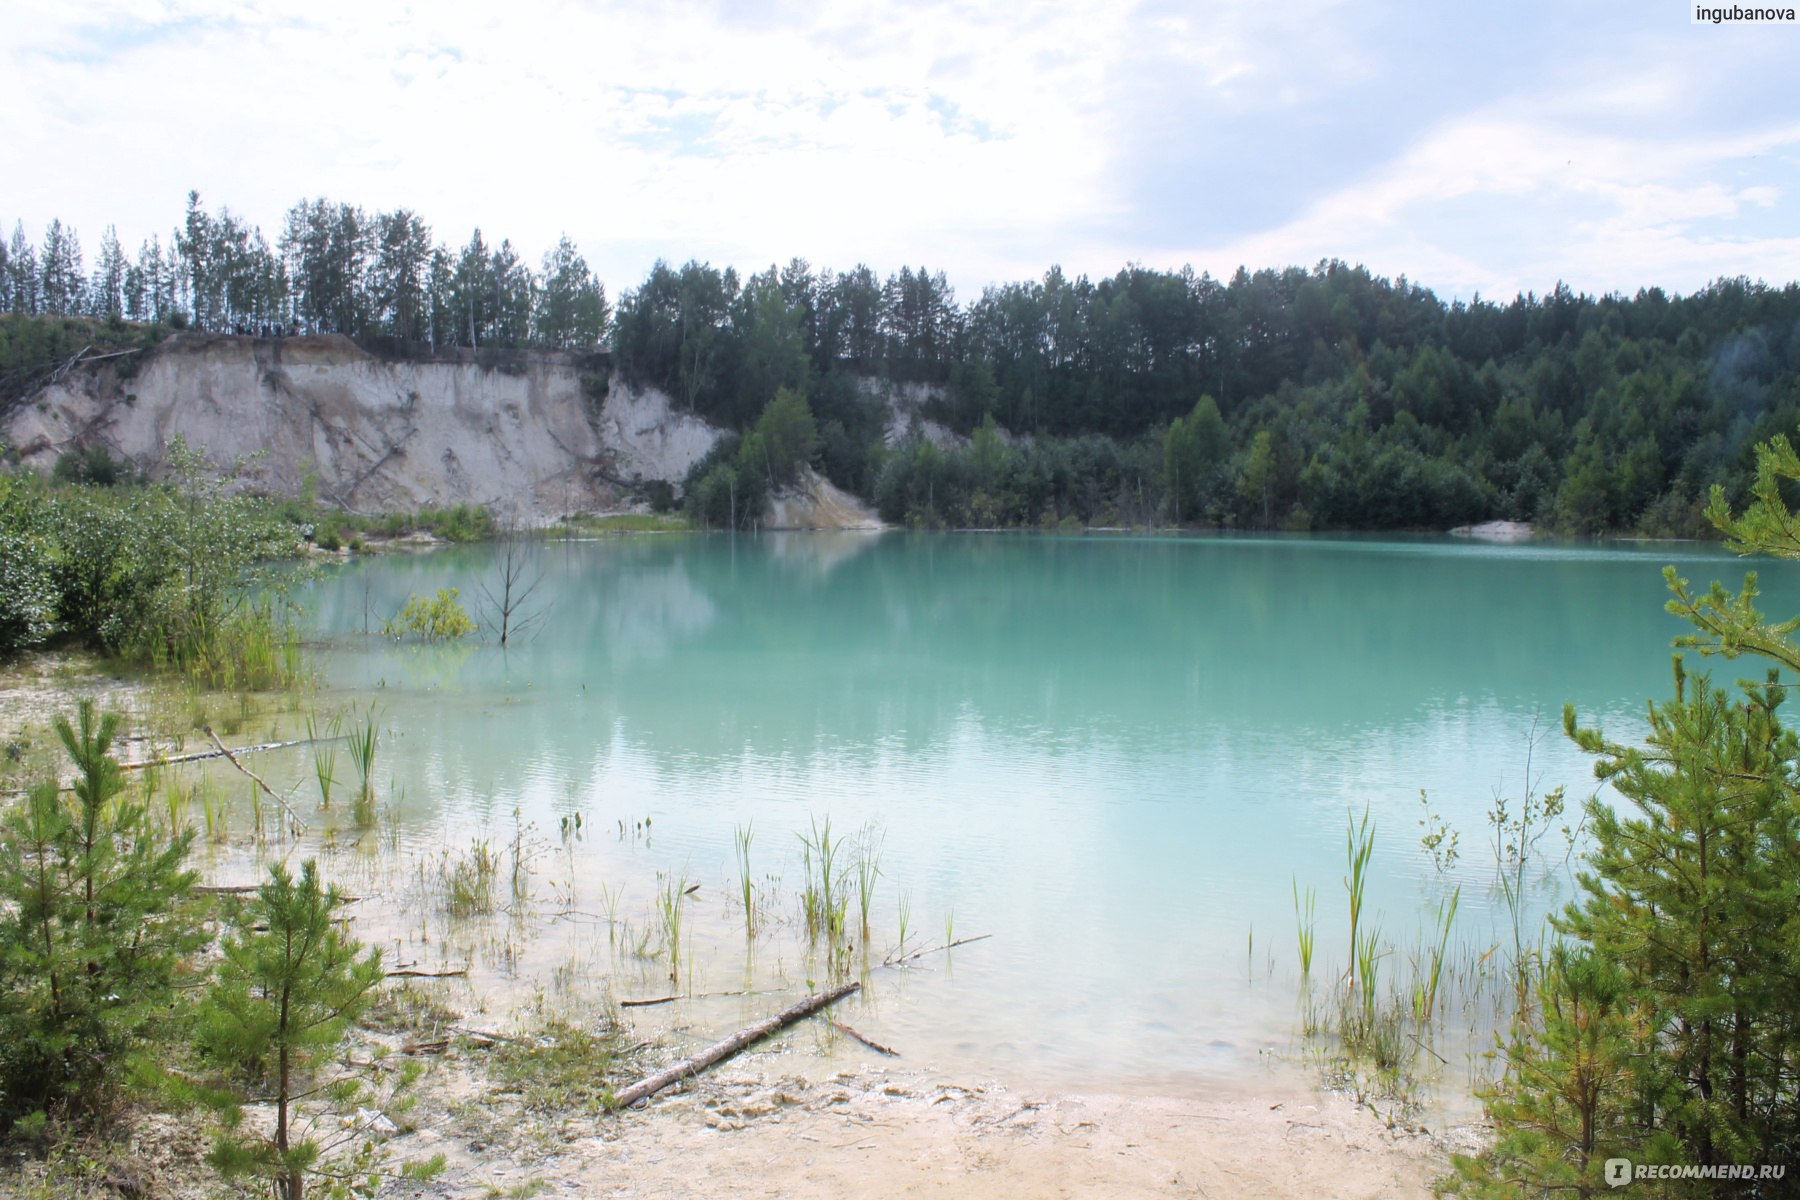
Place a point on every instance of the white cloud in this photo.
(989, 140)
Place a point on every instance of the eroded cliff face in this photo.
(534, 435)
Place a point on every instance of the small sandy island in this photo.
(1497, 531)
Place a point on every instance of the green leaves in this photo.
(441, 618)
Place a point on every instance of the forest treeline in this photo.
(1329, 398)
(333, 268)
(1323, 398)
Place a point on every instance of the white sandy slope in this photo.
(521, 433)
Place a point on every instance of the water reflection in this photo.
(1118, 755)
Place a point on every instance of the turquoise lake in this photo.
(1116, 755)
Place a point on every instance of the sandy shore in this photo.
(875, 1132)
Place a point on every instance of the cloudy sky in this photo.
(1490, 148)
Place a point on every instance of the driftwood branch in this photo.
(411, 973)
(257, 779)
(646, 1003)
(871, 1043)
(906, 958)
(221, 752)
(646, 1088)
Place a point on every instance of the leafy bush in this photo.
(27, 573)
(439, 619)
(94, 464)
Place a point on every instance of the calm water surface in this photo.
(1115, 755)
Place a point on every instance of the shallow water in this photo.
(1117, 755)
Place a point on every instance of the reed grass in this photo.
(868, 870)
(1446, 916)
(213, 810)
(1305, 926)
(1359, 848)
(823, 901)
(324, 755)
(365, 739)
(905, 918)
(1368, 969)
(740, 836)
(671, 898)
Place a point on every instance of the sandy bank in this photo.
(875, 1132)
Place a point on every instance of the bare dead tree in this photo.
(507, 607)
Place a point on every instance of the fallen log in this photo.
(410, 973)
(197, 755)
(642, 1090)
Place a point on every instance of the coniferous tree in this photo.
(571, 311)
(91, 932)
(288, 989)
(62, 283)
(1688, 1047)
(106, 292)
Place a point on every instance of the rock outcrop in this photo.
(814, 502)
(534, 435)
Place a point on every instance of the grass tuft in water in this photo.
(671, 897)
(868, 870)
(1305, 925)
(741, 836)
(823, 901)
(468, 880)
(324, 755)
(364, 738)
(1359, 847)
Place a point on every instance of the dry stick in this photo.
(197, 755)
(1427, 1049)
(869, 1042)
(646, 1088)
(894, 962)
(232, 758)
(671, 999)
(408, 973)
(249, 889)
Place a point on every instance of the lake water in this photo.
(1116, 755)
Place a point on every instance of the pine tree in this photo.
(1685, 1037)
(106, 292)
(289, 987)
(91, 932)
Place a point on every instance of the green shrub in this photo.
(27, 591)
(439, 619)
